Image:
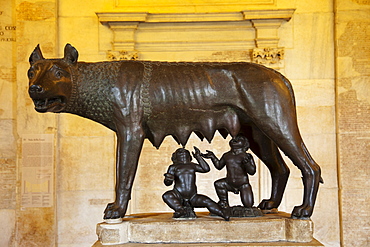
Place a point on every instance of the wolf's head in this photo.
(50, 80)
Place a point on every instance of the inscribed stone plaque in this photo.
(37, 170)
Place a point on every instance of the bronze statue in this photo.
(142, 99)
(184, 197)
(238, 165)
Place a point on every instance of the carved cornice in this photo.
(271, 14)
(264, 14)
(119, 17)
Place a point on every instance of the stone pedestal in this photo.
(161, 228)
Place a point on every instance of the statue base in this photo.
(154, 228)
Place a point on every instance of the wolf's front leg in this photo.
(129, 144)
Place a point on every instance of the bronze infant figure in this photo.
(143, 99)
(239, 165)
(184, 197)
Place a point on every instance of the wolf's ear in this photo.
(70, 54)
(36, 55)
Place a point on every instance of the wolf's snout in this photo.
(35, 89)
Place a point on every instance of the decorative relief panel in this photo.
(172, 36)
(122, 55)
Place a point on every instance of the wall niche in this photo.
(248, 35)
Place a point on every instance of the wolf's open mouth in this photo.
(42, 105)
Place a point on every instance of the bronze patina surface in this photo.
(142, 99)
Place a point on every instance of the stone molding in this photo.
(264, 23)
(262, 14)
(162, 228)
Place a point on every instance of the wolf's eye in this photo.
(58, 74)
(31, 74)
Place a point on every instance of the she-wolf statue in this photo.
(143, 99)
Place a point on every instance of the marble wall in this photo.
(36, 23)
(8, 147)
(331, 114)
(353, 108)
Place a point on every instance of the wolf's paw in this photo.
(267, 204)
(302, 212)
(114, 211)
